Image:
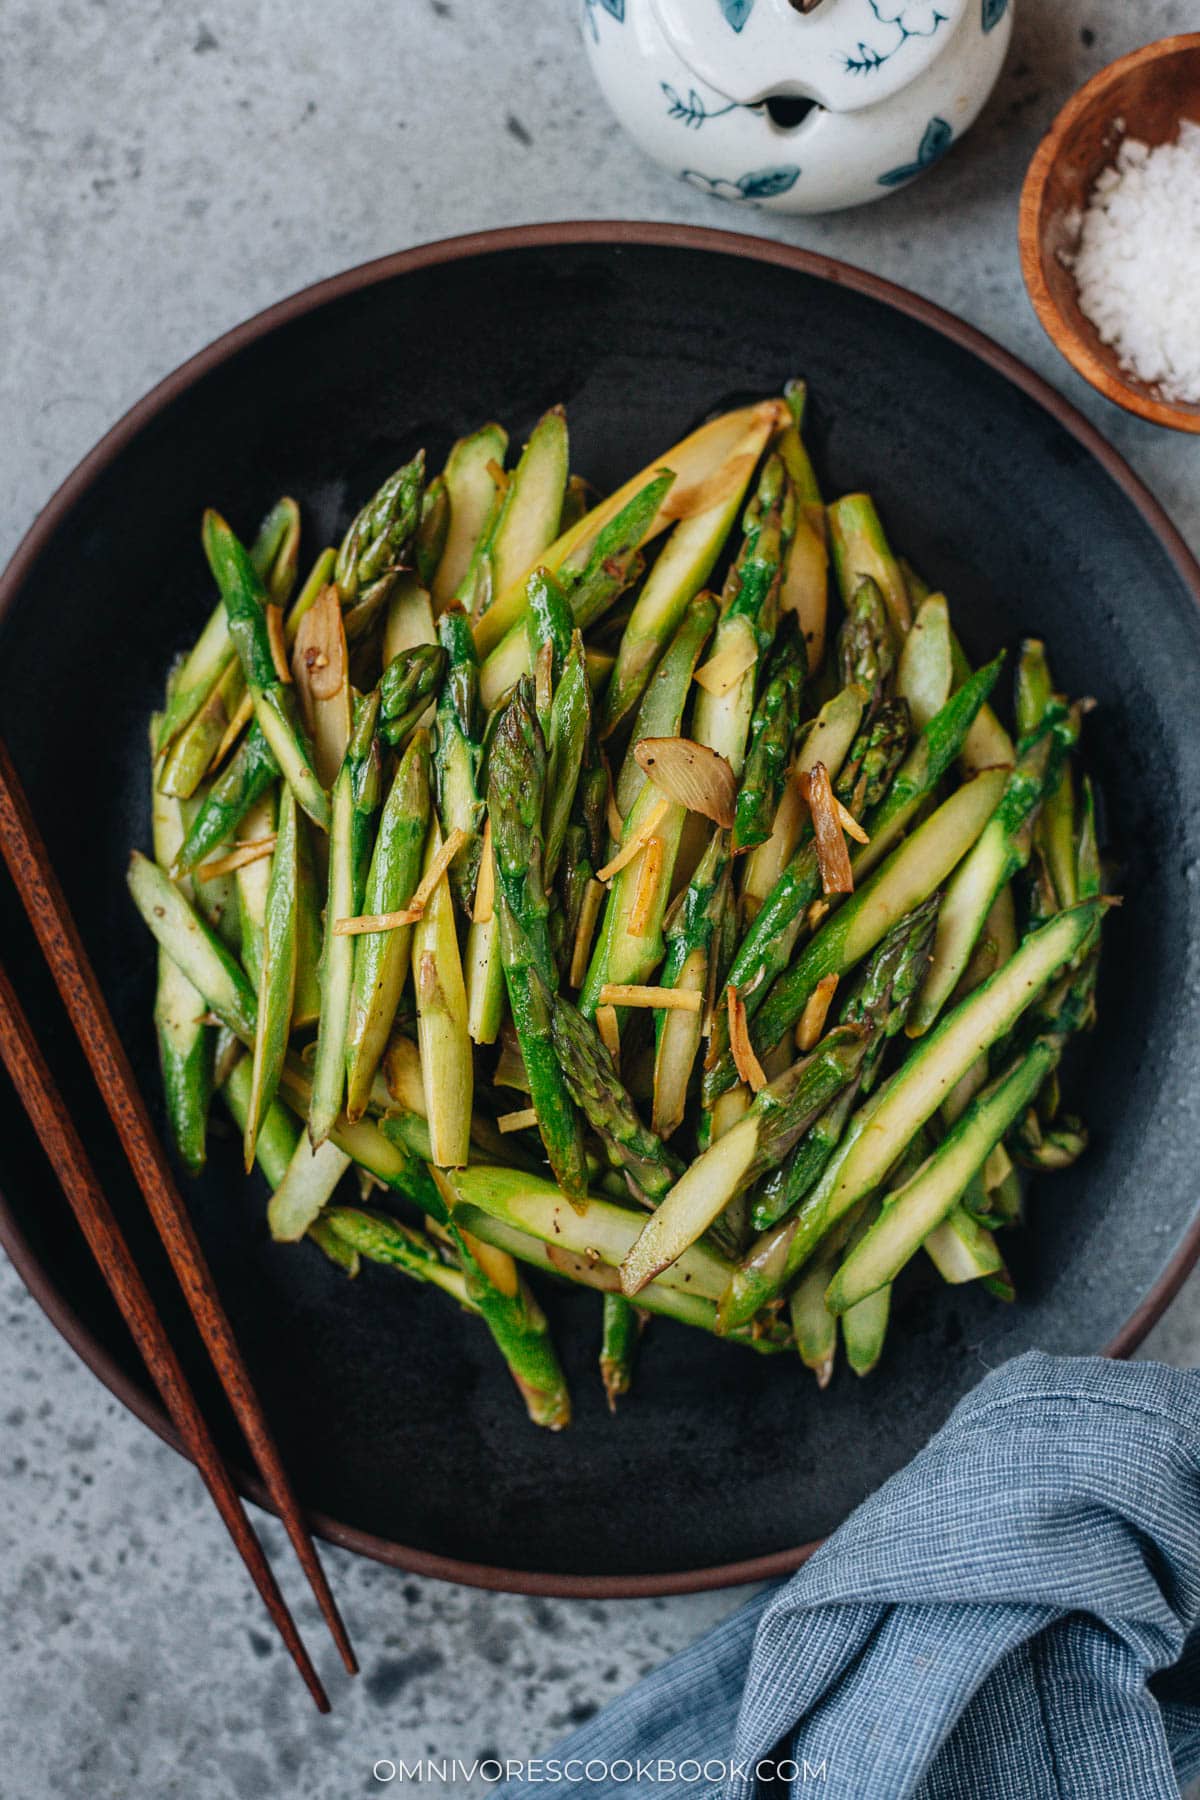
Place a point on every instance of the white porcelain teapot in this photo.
(797, 105)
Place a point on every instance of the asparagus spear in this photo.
(694, 462)
(881, 999)
(681, 570)
(278, 1137)
(274, 555)
(516, 799)
(459, 752)
(623, 1324)
(748, 624)
(772, 728)
(251, 882)
(211, 658)
(925, 674)
(274, 705)
(433, 528)
(529, 511)
(910, 875)
(1034, 689)
(471, 476)
(408, 684)
(570, 723)
(447, 1067)
(649, 1167)
(185, 1043)
(601, 1231)
(961, 1249)
(277, 976)
(689, 954)
(375, 547)
(381, 958)
(864, 1325)
(305, 1188)
(681, 1304)
(385, 1240)
(781, 1112)
(860, 548)
(835, 740)
(306, 1002)
(805, 589)
(193, 946)
(866, 655)
(884, 1125)
(246, 778)
(1002, 849)
(814, 1327)
(614, 563)
(914, 1210)
(355, 803)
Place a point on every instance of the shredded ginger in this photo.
(1137, 264)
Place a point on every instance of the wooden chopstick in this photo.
(29, 864)
(61, 1141)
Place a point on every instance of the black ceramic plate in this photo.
(398, 1422)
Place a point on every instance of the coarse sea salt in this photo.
(1137, 264)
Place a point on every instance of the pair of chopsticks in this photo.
(25, 853)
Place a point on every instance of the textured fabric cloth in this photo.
(1013, 1615)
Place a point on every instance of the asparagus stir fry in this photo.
(644, 897)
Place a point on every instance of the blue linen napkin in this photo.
(1013, 1615)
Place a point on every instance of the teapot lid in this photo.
(844, 54)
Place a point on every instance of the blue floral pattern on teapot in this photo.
(798, 112)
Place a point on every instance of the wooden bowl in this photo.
(1149, 91)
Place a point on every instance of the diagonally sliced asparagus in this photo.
(690, 939)
(193, 946)
(914, 1210)
(516, 800)
(307, 1186)
(1000, 851)
(805, 589)
(681, 571)
(445, 1045)
(381, 958)
(780, 1113)
(910, 875)
(747, 626)
(602, 1232)
(864, 1325)
(529, 512)
(703, 473)
(275, 713)
(614, 563)
(828, 740)
(471, 480)
(860, 549)
(925, 674)
(684, 1305)
(277, 974)
(884, 1126)
(384, 1240)
(460, 805)
(648, 1166)
(355, 802)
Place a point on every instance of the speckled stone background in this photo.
(166, 169)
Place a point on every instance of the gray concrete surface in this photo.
(165, 170)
